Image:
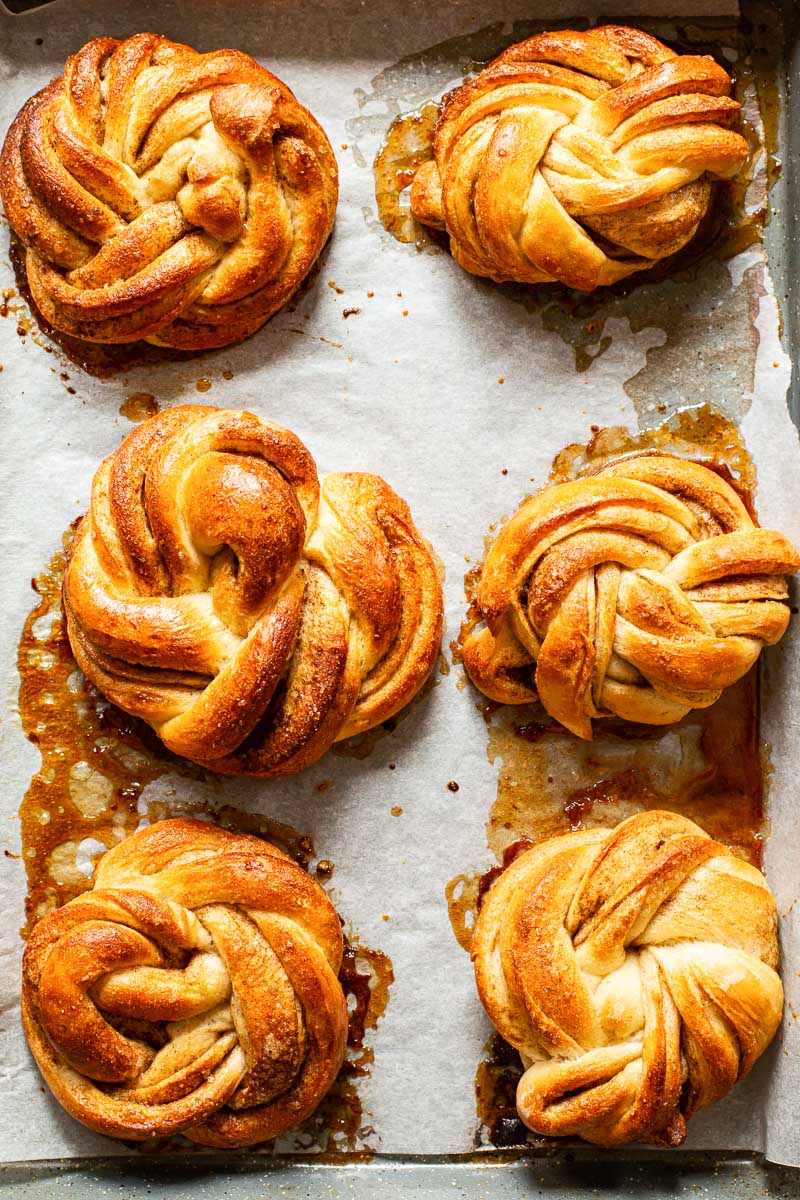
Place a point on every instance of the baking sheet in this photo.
(407, 387)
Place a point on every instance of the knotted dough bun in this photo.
(639, 592)
(166, 195)
(579, 157)
(192, 990)
(251, 612)
(635, 971)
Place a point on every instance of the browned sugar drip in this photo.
(339, 1125)
(407, 145)
(496, 1079)
(699, 433)
(138, 406)
(96, 762)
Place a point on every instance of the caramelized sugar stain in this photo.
(408, 144)
(95, 760)
(699, 433)
(139, 406)
(708, 766)
(88, 794)
(498, 1074)
(462, 906)
(338, 1126)
(770, 106)
(8, 304)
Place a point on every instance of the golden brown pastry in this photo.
(165, 194)
(193, 990)
(579, 157)
(639, 592)
(250, 611)
(635, 971)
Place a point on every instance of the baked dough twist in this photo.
(579, 157)
(193, 990)
(249, 611)
(634, 969)
(639, 592)
(165, 194)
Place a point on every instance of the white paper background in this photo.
(416, 399)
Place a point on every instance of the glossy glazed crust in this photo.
(249, 611)
(162, 194)
(640, 592)
(225, 943)
(635, 970)
(581, 157)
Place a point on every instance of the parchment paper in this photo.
(407, 387)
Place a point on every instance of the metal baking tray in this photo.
(557, 1171)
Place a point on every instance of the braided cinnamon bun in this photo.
(250, 611)
(635, 971)
(166, 195)
(639, 592)
(581, 157)
(192, 990)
